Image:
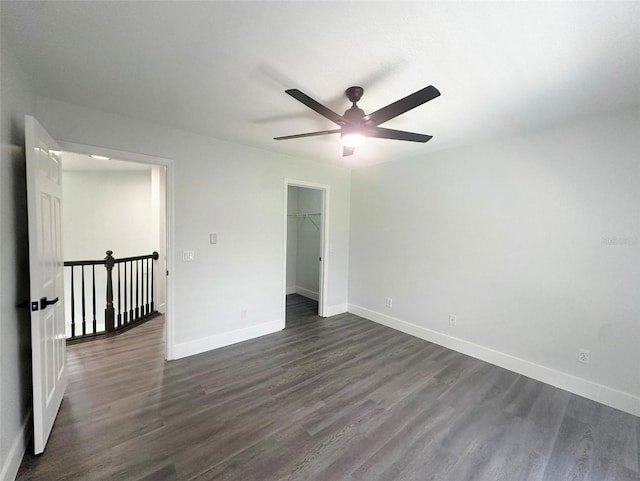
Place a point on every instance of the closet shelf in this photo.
(307, 215)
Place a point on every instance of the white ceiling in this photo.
(220, 68)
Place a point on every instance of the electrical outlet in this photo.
(453, 320)
(584, 356)
(389, 302)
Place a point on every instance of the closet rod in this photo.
(307, 216)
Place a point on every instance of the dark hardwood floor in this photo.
(326, 399)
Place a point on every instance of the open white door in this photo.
(48, 343)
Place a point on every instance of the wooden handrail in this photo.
(83, 263)
(153, 256)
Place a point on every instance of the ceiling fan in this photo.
(355, 126)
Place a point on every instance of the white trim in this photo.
(291, 290)
(582, 387)
(198, 346)
(336, 309)
(16, 453)
(169, 224)
(307, 293)
(324, 243)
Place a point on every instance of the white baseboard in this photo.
(307, 293)
(582, 387)
(16, 453)
(291, 290)
(335, 310)
(197, 346)
(162, 308)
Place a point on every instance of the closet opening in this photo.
(305, 245)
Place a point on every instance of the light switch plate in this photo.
(187, 256)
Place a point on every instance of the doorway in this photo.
(305, 271)
(149, 179)
(46, 268)
(116, 208)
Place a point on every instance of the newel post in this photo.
(155, 257)
(109, 312)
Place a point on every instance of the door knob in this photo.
(44, 302)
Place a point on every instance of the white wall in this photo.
(231, 190)
(15, 334)
(534, 243)
(107, 210)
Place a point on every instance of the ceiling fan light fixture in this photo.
(355, 126)
(353, 139)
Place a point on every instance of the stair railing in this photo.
(131, 302)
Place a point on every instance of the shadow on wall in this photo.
(19, 227)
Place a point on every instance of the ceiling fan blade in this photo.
(382, 133)
(318, 107)
(308, 134)
(346, 151)
(403, 105)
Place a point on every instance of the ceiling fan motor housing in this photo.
(354, 114)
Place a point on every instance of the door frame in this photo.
(168, 164)
(324, 243)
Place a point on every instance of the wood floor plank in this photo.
(336, 399)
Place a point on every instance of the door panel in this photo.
(48, 343)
